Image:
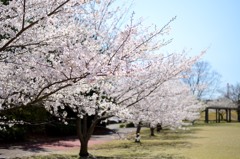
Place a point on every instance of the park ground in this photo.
(65, 145)
(212, 141)
(202, 141)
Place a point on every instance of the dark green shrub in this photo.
(13, 134)
(60, 129)
(121, 125)
(33, 116)
(130, 125)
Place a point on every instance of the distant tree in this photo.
(202, 80)
(233, 93)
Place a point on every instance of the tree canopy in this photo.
(85, 57)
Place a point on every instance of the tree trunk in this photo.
(84, 149)
(84, 134)
(152, 131)
(138, 128)
(138, 137)
(159, 128)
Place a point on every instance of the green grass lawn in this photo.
(210, 141)
(214, 141)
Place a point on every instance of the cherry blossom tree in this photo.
(169, 105)
(117, 95)
(37, 50)
(51, 45)
(81, 59)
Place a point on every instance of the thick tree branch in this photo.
(56, 10)
(24, 12)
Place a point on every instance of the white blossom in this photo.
(56, 51)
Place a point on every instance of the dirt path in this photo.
(62, 146)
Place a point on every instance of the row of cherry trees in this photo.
(82, 59)
(168, 106)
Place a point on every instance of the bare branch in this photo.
(157, 33)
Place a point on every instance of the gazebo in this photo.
(217, 110)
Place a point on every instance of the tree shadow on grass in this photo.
(163, 156)
(19, 150)
(24, 147)
(103, 157)
(166, 145)
(144, 150)
(177, 137)
(169, 156)
(180, 134)
(39, 146)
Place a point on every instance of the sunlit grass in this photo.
(208, 141)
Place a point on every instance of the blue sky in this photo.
(202, 24)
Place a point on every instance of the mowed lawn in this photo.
(212, 141)
(204, 141)
(221, 141)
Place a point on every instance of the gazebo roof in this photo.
(219, 107)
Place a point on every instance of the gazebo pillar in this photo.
(206, 115)
(238, 112)
(226, 110)
(230, 115)
(219, 117)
